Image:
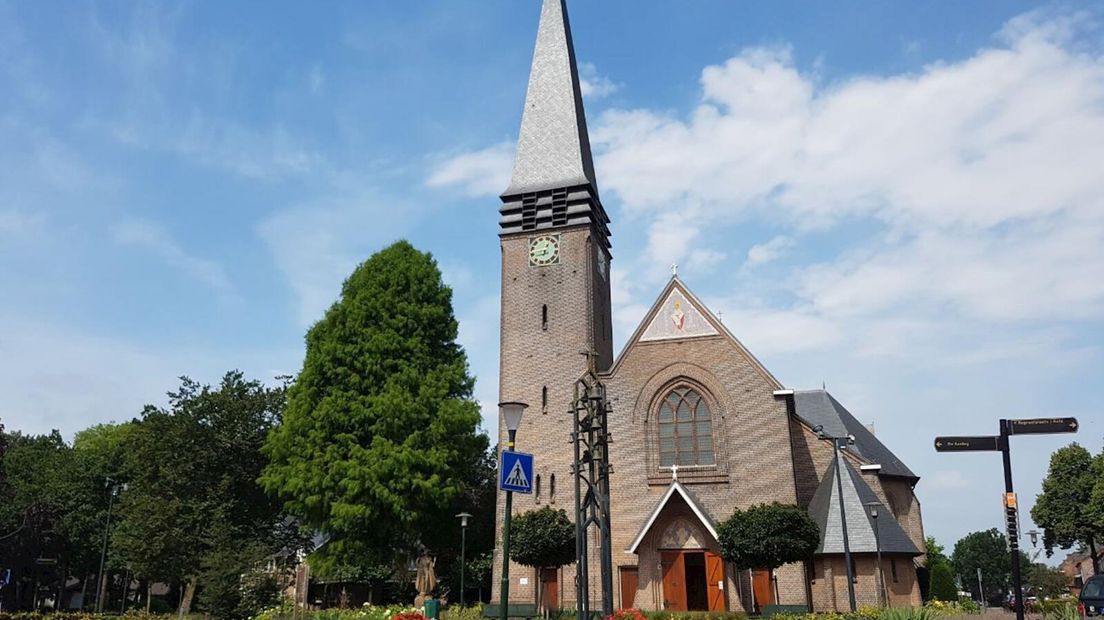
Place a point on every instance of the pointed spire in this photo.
(553, 146)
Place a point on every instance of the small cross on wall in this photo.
(674, 472)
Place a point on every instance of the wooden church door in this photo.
(714, 581)
(550, 589)
(674, 581)
(762, 588)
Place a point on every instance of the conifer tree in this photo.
(381, 433)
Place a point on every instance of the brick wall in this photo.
(536, 355)
(751, 441)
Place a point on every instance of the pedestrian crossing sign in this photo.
(515, 472)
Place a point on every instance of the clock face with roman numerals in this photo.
(544, 250)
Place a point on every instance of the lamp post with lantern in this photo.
(872, 510)
(463, 516)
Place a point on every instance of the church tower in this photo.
(555, 282)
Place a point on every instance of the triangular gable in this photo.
(699, 512)
(678, 317)
(660, 311)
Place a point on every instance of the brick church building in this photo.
(700, 426)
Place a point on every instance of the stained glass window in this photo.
(685, 429)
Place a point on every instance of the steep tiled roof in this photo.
(819, 408)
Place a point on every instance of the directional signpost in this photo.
(999, 443)
(1042, 426)
(987, 443)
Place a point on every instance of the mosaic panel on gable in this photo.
(682, 534)
(678, 318)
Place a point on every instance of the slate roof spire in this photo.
(825, 510)
(553, 183)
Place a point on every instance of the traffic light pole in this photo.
(1010, 515)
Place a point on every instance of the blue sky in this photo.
(901, 201)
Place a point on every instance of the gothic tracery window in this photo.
(685, 429)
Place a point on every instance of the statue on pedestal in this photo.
(425, 580)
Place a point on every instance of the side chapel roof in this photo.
(819, 408)
(825, 510)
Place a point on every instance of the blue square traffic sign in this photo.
(515, 472)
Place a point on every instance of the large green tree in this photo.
(987, 550)
(937, 580)
(1096, 511)
(942, 582)
(49, 511)
(1045, 581)
(381, 433)
(1065, 509)
(193, 512)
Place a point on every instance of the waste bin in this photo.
(432, 608)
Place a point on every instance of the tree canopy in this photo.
(942, 582)
(768, 536)
(542, 538)
(1045, 581)
(381, 434)
(1065, 509)
(193, 511)
(938, 581)
(987, 550)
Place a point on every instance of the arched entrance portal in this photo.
(693, 575)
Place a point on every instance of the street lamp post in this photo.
(463, 516)
(114, 488)
(838, 442)
(511, 416)
(883, 595)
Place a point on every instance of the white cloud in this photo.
(57, 376)
(593, 85)
(769, 251)
(484, 172)
(948, 479)
(318, 244)
(152, 237)
(479, 330)
(976, 176)
(17, 223)
(767, 331)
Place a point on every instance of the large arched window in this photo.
(685, 429)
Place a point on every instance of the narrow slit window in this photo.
(544, 399)
(537, 489)
(893, 568)
(552, 495)
(544, 317)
